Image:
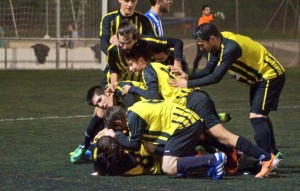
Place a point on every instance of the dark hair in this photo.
(205, 31)
(111, 159)
(126, 28)
(153, 2)
(112, 114)
(204, 6)
(138, 50)
(95, 90)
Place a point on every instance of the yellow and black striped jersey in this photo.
(245, 59)
(156, 77)
(110, 23)
(155, 121)
(117, 62)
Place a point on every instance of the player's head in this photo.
(138, 57)
(96, 96)
(127, 35)
(206, 10)
(164, 6)
(116, 118)
(127, 7)
(111, 158)
(207, 37)
(160, 54)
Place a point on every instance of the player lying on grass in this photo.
(159, 122)
(112, 159)
(157, 79)
(101, 100)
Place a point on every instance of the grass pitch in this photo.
(43, 116)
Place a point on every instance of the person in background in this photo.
(158, 8)
(206, 17)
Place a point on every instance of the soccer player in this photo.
(248, 62)
(129, 35)
(112, 159)
(110, 23)
(158, 8)
(159, 122)
(157, 79)
(101, 100)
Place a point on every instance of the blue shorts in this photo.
(264, 95)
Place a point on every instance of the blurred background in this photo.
(49, 21)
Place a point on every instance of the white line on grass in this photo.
(85, 116)
(42, 118)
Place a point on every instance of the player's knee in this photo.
(169, 165)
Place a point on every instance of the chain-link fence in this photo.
(39, 20)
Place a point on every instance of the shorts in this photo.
(183, 142)
(264, 95)
(202, 104)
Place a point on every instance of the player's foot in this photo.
(224, 117)
(216, 171)
(77, 154)
(279, 157)
(267, 167)
(232, 162)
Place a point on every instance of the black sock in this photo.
(262, 133)
(189, 164)
(250, 149)
(274, 149)
(95, 125)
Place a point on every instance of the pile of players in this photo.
(150, 113)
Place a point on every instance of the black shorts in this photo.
(202, 104)
(183, 142)
(264, 95)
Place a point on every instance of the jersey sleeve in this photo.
(136, 127)
(105, 33)
(217, 67)
(151, 80)
(112, 59)
(148, 29)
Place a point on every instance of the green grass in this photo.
(35, 145)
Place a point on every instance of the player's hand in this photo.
(220, 15)
(111, 88)
(180, 83)
(125, 89)
(109, 132)
(177, 63)
(114, 40)
(177, 71)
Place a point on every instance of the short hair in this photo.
(153, 2)
(140, 49)
(95, 90)
(112, 114)
(204, 6)
(126, 28)
(111, 159)
(205, 31)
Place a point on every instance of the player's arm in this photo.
(105, 33)
(151, 80)
(229, 56)
(136, 126)
(112, 57)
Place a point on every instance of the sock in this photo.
(250, 149)
(95, 125)
(189, 164)
(262, 133)
(274, 149)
